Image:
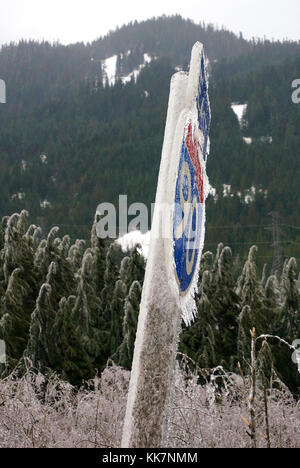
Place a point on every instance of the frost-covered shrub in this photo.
(36, 411)
(215, 415)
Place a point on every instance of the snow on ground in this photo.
(266, 139)
(109, 67)
(18, 196)
(135, 73)
(147, 58)
(213, 193)
(45, 204)
(131, 239)
(227, 191)
(247, 196)
(239, 110)
(251, 193)
(2, 92)
(248, 140)
(43, 158)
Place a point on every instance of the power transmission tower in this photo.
(277, 246)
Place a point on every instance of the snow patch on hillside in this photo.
(239, 110)
(109, 68)
(18, 196)
(135, 73)
(263, 139)
(213, 193)
(131, 239)
(252, 192)
(266, 139)
(246, 196)
(45, 204)
(43, 158)
(248, 140)
(227, 191)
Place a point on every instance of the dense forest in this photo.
(71, 139)
(72, 307)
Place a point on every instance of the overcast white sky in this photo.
(85, 20)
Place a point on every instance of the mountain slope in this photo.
(69, 141)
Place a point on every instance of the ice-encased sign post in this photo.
(177, 239)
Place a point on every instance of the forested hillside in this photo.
(72, 137)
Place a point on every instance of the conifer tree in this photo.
(99, 251)
(226, 307)
(199, 340)
(71, 359)
(19, 284)
(251, 292)
(40, 345)
(88, 315)
(246, 320)
(75, 255)
(18, 252)
(133, 267)
(2, 243)
(3, 226)
(132, 307)
(111, 275)
(15, 322)
(290, 317)
(117, 316)
(59, 281)
(65, 246)
(289, 325)
(273, 302)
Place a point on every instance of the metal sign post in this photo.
(177, 239)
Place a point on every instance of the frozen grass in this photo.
(204, 416)
(40, 412)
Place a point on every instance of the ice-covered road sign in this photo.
(189, 213)
(2, 92)
(177, 239)
(187, 183)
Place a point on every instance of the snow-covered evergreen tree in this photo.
(117, 316)
(19, 284)
(133, 267)
(71, 359)
(111, 276)
(226, 306)
(199, 340)
(40, 345)
(290, 316)
(88, 315)
(132, 307)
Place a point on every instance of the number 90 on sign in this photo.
(187, 223)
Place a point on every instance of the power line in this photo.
(233, 226)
